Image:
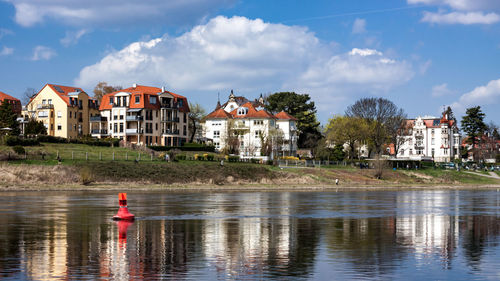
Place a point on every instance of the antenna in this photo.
(218, 96)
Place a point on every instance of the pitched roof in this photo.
(252, 112)
(63, 91)
(4, 96)
(218, 114)
(284, 116)
(144, 92)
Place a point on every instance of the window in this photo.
(121, 127)
(242, 111)
(59, 127)
(152, 100)
(115, 128)
(49, 101)
(432, 152)
(111, 100)
(59, 114)
(43, 114)
(185, 117)
(137, 99)
(257, 134)
(217, 145)
(44, 101)
(411, 151)
(156, 125)
(216, 134)
(258, 122)
(184, 131)
(432, 141)
(179, 103)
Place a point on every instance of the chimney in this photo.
(134, 85)
(162, 89)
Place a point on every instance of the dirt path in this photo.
(491, 175)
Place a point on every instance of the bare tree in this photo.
(380, 114)
(398, 130)
(102, 88)
(196, 112)
(28, 94)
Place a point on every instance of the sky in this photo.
(420, 54)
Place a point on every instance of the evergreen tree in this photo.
(301, 107)
(474, 127)
(34, 127)
(8, 119)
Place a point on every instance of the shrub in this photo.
(86, 176)
(210, 157)
(232, 158)
(14, 141)
(180, 157)
(255, 160)
(207, 148)
(19, 149)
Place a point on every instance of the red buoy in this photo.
(123, 213)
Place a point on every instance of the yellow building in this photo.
(64, 110)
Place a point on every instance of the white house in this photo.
(243, 124)
(430, 138)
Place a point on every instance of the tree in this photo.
(28, 94)
(8, 119)
(474, 127)
(398, 131)
(102, 88)
(195, 114)
(381, 115)
(34, 127)
(301, 107)
(347, 130)
(270, 144)
(324, 151)
(449, 113)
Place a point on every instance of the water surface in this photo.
(386, 235)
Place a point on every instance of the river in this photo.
(375, 235)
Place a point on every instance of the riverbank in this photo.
(211, 176)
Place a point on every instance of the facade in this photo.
(243, 125)
(431, 138)
(16, 104)
(143, 115)
(65, 111)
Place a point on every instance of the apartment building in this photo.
(143, 115)
(15, 103)
(64, 110)
(244, 124)
(431, 138)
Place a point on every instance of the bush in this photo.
(180, 157)
(210, 157)
(232, 158)
(207, 148)
(86, 176)
(255, 160)
(17, 141)
(19, 149)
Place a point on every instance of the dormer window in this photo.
(242, 111)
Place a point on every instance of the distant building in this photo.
(243, 124)
(143, 115)
(15, 103)
(64, 110)
(431, 138)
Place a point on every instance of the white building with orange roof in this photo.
(243, 125)
(431, 138)
(64, 110)
(143, 115)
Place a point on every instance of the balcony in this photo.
(167, 105)
(419, 145)
(98, 119)
(171, 119)
(171, 132)
(99, 132)
(133, 131)
(45, 106)
(133, 118)
(419, 135)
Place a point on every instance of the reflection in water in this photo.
(251, 235)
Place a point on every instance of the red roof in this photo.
(144, 93)
(285, 116)
(218, 114)
(63, 91)
(252, 112)
(16, 103)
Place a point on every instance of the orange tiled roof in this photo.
(252, 112)
(65, 90)
(4, 96)
(144, 92)
(218, 114)
(16, 103)
(285, 116)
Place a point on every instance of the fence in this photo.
(76, 155)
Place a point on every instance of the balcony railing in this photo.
(133, 131)
(98, 118)
(45, 106)
(99, 132)
(134, 118)
(171, 132)
(171, 119)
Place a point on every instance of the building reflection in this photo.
(246, 234)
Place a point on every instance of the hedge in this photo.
(183, 148)
(12, 141)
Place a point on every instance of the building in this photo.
(65, 111)
(15, 103)
(240, 126)
(143, 115)
(430, 138)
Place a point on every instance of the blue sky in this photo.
(421, 54)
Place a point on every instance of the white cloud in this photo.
(43, 53)
(461, 18)
(4, 31)
(462, 11)
(441, 90)
(90, 12)
(6, 51)
(425, 66)
(359, 26)
(72, 37)
(250, 56)
(483, 96)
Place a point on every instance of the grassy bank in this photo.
(100, 169)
